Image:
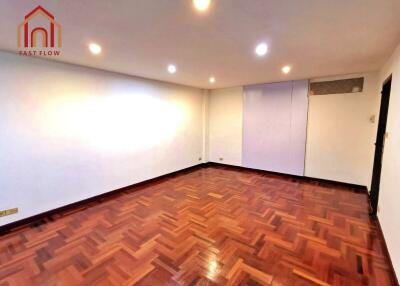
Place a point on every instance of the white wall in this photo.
(206, 132)
(389, 196)
(69, 133)
(225, 125)
(340, 135)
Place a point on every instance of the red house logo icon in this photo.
(39, 30)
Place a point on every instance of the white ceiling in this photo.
(141, 37)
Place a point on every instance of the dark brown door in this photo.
(380, 146)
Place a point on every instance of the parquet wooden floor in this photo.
(210, 226)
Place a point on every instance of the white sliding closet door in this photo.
(275, 126)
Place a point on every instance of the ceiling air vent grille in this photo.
(350, 85)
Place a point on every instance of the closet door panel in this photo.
(274, 127)
(299, 126)
(266, 126)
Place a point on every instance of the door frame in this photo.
(380, 145)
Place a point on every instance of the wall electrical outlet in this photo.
(8, 212)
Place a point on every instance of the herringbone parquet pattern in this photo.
(210, 226)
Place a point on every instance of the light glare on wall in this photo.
(123, 123)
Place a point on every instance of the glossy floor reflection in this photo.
(209, 226)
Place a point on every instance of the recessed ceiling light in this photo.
(201, 5)
(286, 69)
(172, 69)
(261, 49)
(212, 79)
(94, 48)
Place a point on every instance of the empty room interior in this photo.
(200, 142)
